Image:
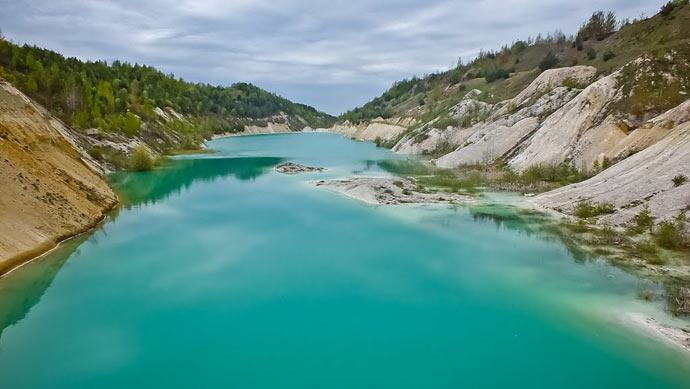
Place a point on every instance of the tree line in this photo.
(120, 96)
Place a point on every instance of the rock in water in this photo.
(295, 168)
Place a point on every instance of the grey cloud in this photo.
(330, 54)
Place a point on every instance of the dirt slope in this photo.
(49, 188)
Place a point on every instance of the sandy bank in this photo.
(676, 336)
(389, 190)
(50, 188)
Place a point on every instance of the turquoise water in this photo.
(221, 272)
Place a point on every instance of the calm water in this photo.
(221, 272)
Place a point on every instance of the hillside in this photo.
(119, 106)
(607, 103)
(50, 188)
(500, 75)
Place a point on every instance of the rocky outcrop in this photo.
(295, 168)
(487, 131)
(644, 179)
(431, 138)
(559, 135)
(502, 136)
(50, 188)
(382, 129)
(389, 190)
(550, 79)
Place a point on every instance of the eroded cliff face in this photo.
(381, 129)
(572, 116)
(50, 189)
(643, 179)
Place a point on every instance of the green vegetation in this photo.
(647, 89)
(549, 61)
(573, 83)
(554, 174)
(602, 42)
(649, 252)
(122, 98)
(668, 8)
(600, 26)
(679, 180)
(643, 222)
(140, 159)
(497, 75)
(672, 234)
(585, 209)
(609, 55)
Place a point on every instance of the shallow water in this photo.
(221, 272)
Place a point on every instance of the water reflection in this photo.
(675, 291)
(142, 188)
(532, 223)
(24, 287)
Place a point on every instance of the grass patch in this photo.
(585, 209)
(554, 175)
(192, 152)
(679, 180)
(672, 234)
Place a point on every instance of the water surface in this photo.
(221, 272)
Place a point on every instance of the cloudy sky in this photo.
(334, 54)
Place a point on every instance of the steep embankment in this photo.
(642, 180)
(50, 189)
(619, 114)
(378, 130)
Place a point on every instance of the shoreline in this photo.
(45, 248)
(388, 191)
(243, 133)
(675, 336)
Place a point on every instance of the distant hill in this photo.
(121, 102)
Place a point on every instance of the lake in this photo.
(220, 272)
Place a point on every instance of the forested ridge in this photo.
(121, 97)
(603, 41)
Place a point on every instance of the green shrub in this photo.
(671, 234)
(599, 26)
(644, 220)
(648, 251)
(518, 47)
(446, 121)
(131, 125)
(399, 184)
(549, 61)
(608, 236)
(573, 83)
(140, 159)
(668, 8)
(96, 153)
(585, 209)
(605, 163)
(679, 180)
(497, 75)
(591, 53)
(609, 55)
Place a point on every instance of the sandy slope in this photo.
(49, 189)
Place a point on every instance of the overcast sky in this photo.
(333, 55)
